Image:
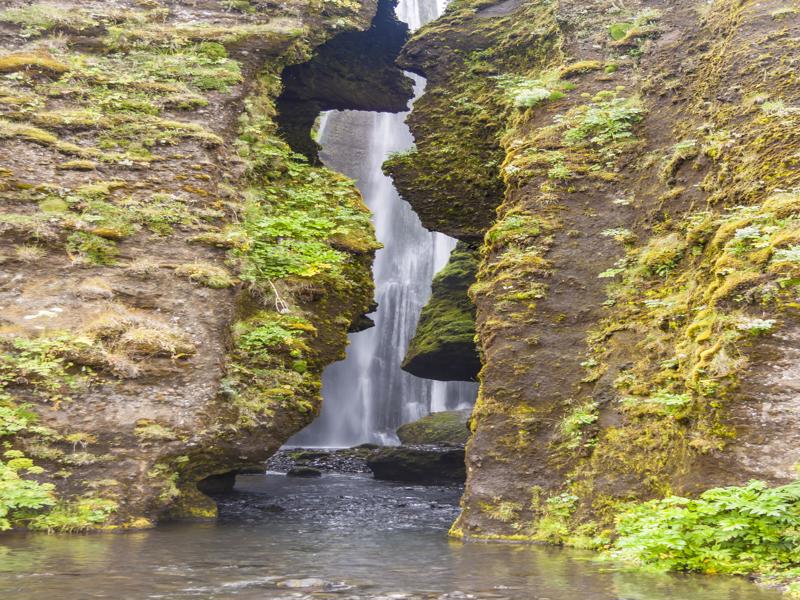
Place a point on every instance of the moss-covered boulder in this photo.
(448, 427)
(443, 346)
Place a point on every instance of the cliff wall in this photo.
(632, 169)
(174, 276)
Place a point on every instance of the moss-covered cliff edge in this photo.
(638, 289)
(174, 277)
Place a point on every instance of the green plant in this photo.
(525, 92)
(73, 517)
(267, 333)
(573, 423)
(739, 530)
(41, 362)
(605, 121)
(20, 497)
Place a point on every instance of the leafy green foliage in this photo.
(606, 120)
(19, 496)
(525, 92)
(41, 363)
(73, 517)
(573, 424)
(617, 31)
(738, 530)
(267, 333)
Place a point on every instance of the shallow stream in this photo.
(342, 537)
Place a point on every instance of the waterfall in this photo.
(367, 396)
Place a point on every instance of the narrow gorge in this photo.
(303, 299)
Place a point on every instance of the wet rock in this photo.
(443, 346)
(347, 460)
(448, 427)
(304, 472)
(428, 464)
(309, 582)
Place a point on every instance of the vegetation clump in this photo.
(734, 530)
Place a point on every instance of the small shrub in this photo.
(19, 496)
(572, 425)
(92, 248)
(605, 121)
(525, 92)
(756, 326)
(735, 530)
(207, 274)
(74, 517)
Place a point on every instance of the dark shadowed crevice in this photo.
(355, 70)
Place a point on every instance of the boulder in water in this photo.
(429, 464)
(448, 427)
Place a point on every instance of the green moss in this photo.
(437, 428)
(453, 177)
(443, 346)
(207, 274)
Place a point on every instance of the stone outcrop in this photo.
(443, 346)
(174, 277)
(447, 427)
(425, 464)
(355, 70)
(632, 170)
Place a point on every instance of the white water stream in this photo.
(367, 396)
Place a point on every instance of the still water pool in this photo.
(339, 537)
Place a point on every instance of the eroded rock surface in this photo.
(632, 170)
(174, 278)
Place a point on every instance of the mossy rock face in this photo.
(448, 427)
(443, 346)
(637, 292)
(187, 275)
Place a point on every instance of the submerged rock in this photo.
(425, 463)
(345, 460)
(448, 427)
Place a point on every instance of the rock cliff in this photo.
(632, 169)
(174, 276)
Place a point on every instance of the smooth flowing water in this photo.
(367, 396)
(337, 537)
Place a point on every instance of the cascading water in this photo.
(367, 396)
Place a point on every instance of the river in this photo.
(345, 537)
